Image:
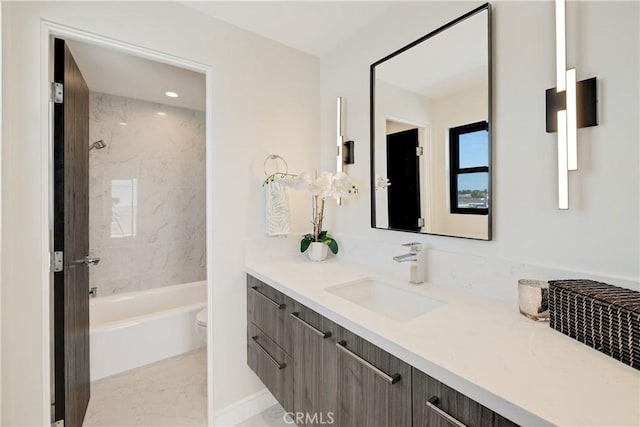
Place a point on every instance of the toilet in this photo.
(200, 324)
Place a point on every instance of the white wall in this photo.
(600, 233)
(265, 100)
(155, 233)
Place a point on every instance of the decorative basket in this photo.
(602, 316)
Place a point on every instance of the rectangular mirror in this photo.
(431, 132)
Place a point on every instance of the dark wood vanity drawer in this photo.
(273, 366)
(267, 309)
(448, 406)
(314, 365)
(374, 387)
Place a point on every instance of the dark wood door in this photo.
(374, 387)
(71, 237)
(403, 172)
(437, 405)
(315, 366)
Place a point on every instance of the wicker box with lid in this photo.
(602, 316)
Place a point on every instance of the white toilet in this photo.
(200, 324)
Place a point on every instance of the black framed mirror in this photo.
(431, 132)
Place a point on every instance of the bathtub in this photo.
(137, 328)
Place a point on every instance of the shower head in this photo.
(98, 144)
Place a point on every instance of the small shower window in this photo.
(124, 207)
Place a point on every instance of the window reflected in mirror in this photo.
(469, 168)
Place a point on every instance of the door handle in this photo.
(323, 334)
(433, 403)
(87, 261)
(391, 379)
(269, 356)
(275, 303)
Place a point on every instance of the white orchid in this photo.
(341, 185)
(324, 185)
(297, 182)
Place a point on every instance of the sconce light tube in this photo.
(561, 46)
(563, 172)
(339, 141)
(561, 85)
(572, 121)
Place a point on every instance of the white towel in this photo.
(277, 220)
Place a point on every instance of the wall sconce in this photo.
(339, 138)
(570, 105)
(344, 155)
(347, 153)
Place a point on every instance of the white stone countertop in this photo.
(483, 348)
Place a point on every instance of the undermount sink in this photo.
(384, 298)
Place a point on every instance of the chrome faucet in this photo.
(416, 257)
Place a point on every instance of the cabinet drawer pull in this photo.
(275, 303)
(433, 404)
(296, 316)
(266, 353)
(391, 379)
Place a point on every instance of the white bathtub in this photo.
(137, 328)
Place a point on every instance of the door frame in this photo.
(49, 30)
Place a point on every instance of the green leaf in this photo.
(305, 243)
(333, 245)
(322, 235)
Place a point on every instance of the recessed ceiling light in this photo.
(161, 113)
(171, 94)
(123, 123)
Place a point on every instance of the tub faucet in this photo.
(416, 256)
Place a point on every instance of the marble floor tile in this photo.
(270, 417)
(172, 392)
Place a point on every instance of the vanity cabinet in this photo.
(437, 405)
(266, 309)
(268, 340)
(315, 379)
(272, 364)
(374, 387)
(326, 374)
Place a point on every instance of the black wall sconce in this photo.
(570, 105)
(347, 153)
(345, 148)
(586, 105)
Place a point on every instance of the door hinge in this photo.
(419, 151)
(59, 423)
(57, 93)
(420, 222)
(57, 259)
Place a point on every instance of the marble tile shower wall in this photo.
(147, 195)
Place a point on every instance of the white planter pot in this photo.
(318, 251)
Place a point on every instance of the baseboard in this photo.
(245, 408)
